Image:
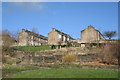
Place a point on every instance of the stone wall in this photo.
(57, 37)
(23, 41)
(91, 35)
(27, 38)
(55, 55)
(53, 38)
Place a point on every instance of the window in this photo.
(64, 38)
(59, 36)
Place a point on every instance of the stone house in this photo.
(57, 37)
(90, 34)
(28, 38)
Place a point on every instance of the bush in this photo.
(110, 53)
(69, 58)
(53, 47)
(9, 60)
(8, 51)
(93, 44)
(68, 44)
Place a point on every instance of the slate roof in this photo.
(36, 35)
(89, 27)
(63, 33)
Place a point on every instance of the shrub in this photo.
(110, 53)
(69, 58)
(9, 60)
(68, 44)
(8, 51)
(53, 47)
(93, 44)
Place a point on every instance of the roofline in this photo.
(96, 30)
(36, 34)
(62, 33)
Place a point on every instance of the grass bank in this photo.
(34, 48)
(67, 73)
(11, 69)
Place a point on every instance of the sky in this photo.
(68, 17)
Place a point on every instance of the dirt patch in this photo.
(93, 63)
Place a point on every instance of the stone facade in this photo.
(57, 37)
(28, 38)
(90, 34)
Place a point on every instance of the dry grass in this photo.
(9, 60)
(69, 58)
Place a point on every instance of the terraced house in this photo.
(28, 38)
(57, 37)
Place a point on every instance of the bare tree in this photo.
(6, 38)
(7, 41)
(14, 34)
(35, 30)
(109, 34)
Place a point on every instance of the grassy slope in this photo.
(16, 68)
(34, 48)
(68, 73)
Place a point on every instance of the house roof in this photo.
(63, 33)
(36, 35)
(88, 28)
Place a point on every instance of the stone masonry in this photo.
(57, 37)
(28, 38)
(90, 34)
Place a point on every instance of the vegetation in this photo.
(109, 34)
(67, 73)
(7, 68)
(35, 30)
(34, 48)
(93, 44)
(9, 60)
(110, 53)
(7, 39)
(69, 58)
(6, 49)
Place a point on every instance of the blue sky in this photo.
(68, 17)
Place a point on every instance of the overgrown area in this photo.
(110, 53)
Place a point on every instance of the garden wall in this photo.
(55, 55)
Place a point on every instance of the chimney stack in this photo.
(90, 26)
(53, 29)
(23, 30)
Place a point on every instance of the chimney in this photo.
(53, 29)
(23, 30)
(90, 26)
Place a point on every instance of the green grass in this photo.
(16, 68)
(67, 73)
(34, 48)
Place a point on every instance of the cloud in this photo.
(28, 5)
(24, 7)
